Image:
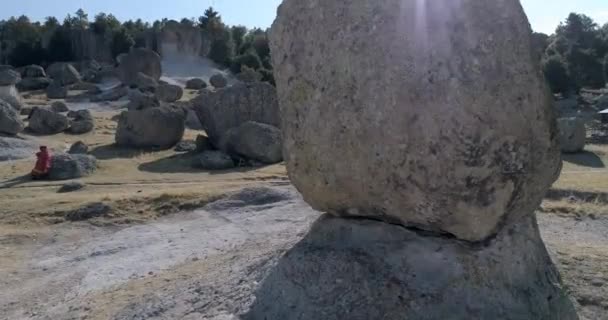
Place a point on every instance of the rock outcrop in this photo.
(256, 141)
(404, 122)
(45, 121)
(229, 108)
(138, 60)
(159, 128)
(572, 134)
(10, 120)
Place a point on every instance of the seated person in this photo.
(43, 164)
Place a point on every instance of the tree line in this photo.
(24, 42)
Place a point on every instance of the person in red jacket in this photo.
(43, 164)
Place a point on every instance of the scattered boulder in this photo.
(90, 211)
(11, 95)
(169, 93)
(56, 91)
(71, 187)
(30, 84)
(63, 73)
(218, 81)
(139, 60)
(71, 166)
(82, 122)
(10, 121)
(228, 108)
(185, 146)
(9, 78)
(33, 71)
(59, 106)
(196, 84)
(77, 115)
(113, 94)
(203, 143)
(213, 160)
(44, 121)
(145, 82)
(257, 141)
(79, 148)
(572, 134)
(160, 128)
(427, 136)
(13, 148)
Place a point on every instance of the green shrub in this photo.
(557, 75)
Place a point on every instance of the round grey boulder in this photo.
(158, 128)
(79, 147)
(138, 60)
(218, 81)
(572, 134)
(256, 141)
(169, 93)
(427, 135)
(10, 120)
(33, 71)
(71, 166)
(196, 84)
(44, 121)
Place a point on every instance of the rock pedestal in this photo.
(431, 119)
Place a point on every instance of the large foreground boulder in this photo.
(404, 120)
(229, 108)
(10, 120)
(158, 128)
(256, 141)
(138, 60)
(572, 134)
(45, 121)
(71, 166)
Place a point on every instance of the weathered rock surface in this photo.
(228, 108)
(249, 75)
(383, 271)
(213, 160)
(440, 143)
(139, 60)
(10, 95)
(218, 81)
(196, 84)
(10, 120)
(29, 84)
(572, 134)
(82, 122)
(59, 106)
(257, 141)
(169, 93)
(56, 91)
(71, 166)
(9, 77)
(145, 82)
(160, 128)
(79, 147)
(140, 100)
(44, 121)
(63, 73)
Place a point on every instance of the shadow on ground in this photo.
(113, 151)
(15, 181)
(182, 163)
(585, 159)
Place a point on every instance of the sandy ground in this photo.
(188, 244)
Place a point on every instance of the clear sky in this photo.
(544, 15)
